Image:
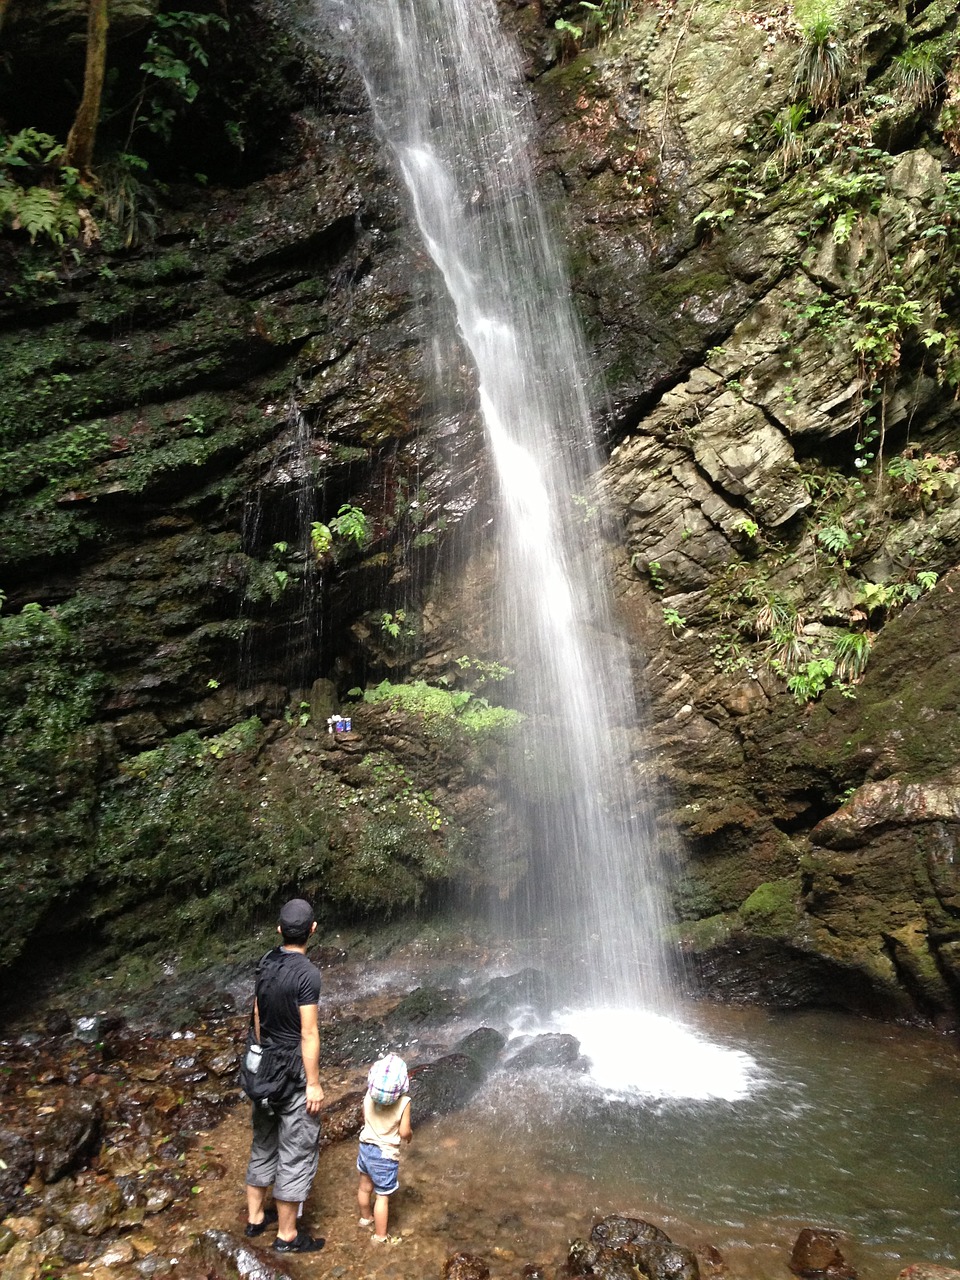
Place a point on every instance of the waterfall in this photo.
(446, 89)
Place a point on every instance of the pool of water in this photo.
(742, 1125)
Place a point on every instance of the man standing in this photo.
(286, 1134)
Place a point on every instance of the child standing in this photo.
(386, 1122)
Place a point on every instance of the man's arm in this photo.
(310, 1049)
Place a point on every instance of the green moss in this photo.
(701, 935)
(204, 830)
(444, 711)
(772, 909)
(50, 759)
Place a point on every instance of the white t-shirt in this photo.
(381, 1125)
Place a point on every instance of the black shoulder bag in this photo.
(268, 1074)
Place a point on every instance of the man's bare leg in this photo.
(255, 1202)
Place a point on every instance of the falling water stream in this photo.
(446, 90)
(445, 86)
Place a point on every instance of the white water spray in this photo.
(447, 92)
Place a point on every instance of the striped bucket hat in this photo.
(387, 1080)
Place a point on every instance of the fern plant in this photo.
(47, 209)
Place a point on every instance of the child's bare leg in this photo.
(381, 1213)
(363, 1196)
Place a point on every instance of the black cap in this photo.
(296, 916)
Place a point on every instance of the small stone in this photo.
(143, 1245)
(223, 1063)
(159, 1198)
(465, 1266)
(21, 1263)
(26, 1227)
(116, 1254)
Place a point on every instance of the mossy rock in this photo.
(773, 908)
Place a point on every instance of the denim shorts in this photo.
(380, 1169)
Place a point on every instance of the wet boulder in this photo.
(712, 1263)
(501, 996)
(445, 1085)
(341, 1119)
(16, 1166)
(615, 1231)
(465, 1266)
(816, 1253)
(68, 1133)
(215, 1005)
(552, 1049)
(483, 1045)
(622, 1248)
(426, 1005)
(350, 1041)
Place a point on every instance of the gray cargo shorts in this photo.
(285, 1148)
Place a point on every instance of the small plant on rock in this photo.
(351, 525)
(673, 620)
(917, 76)
(38, 193)
(321, 539)
(786, 131)
(851, 651)
(811, 679)
(925, 479)
(823, 58)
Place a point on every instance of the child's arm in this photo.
(406, 1128)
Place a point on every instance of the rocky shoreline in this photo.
(123, 1142)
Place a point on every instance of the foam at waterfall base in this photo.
(638, 1052)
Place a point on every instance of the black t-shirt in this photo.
(285, 981)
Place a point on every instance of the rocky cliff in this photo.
(239, 484)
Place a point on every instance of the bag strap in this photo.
(268, 972)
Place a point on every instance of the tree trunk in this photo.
(83, 134)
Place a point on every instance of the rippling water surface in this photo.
(745, 1127)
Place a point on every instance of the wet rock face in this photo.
(549, 1050)
(176, 516)
(737, 445)
(18, 1158)
(158, 468)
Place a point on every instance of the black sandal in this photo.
(302, 1243)
(258, 1228)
